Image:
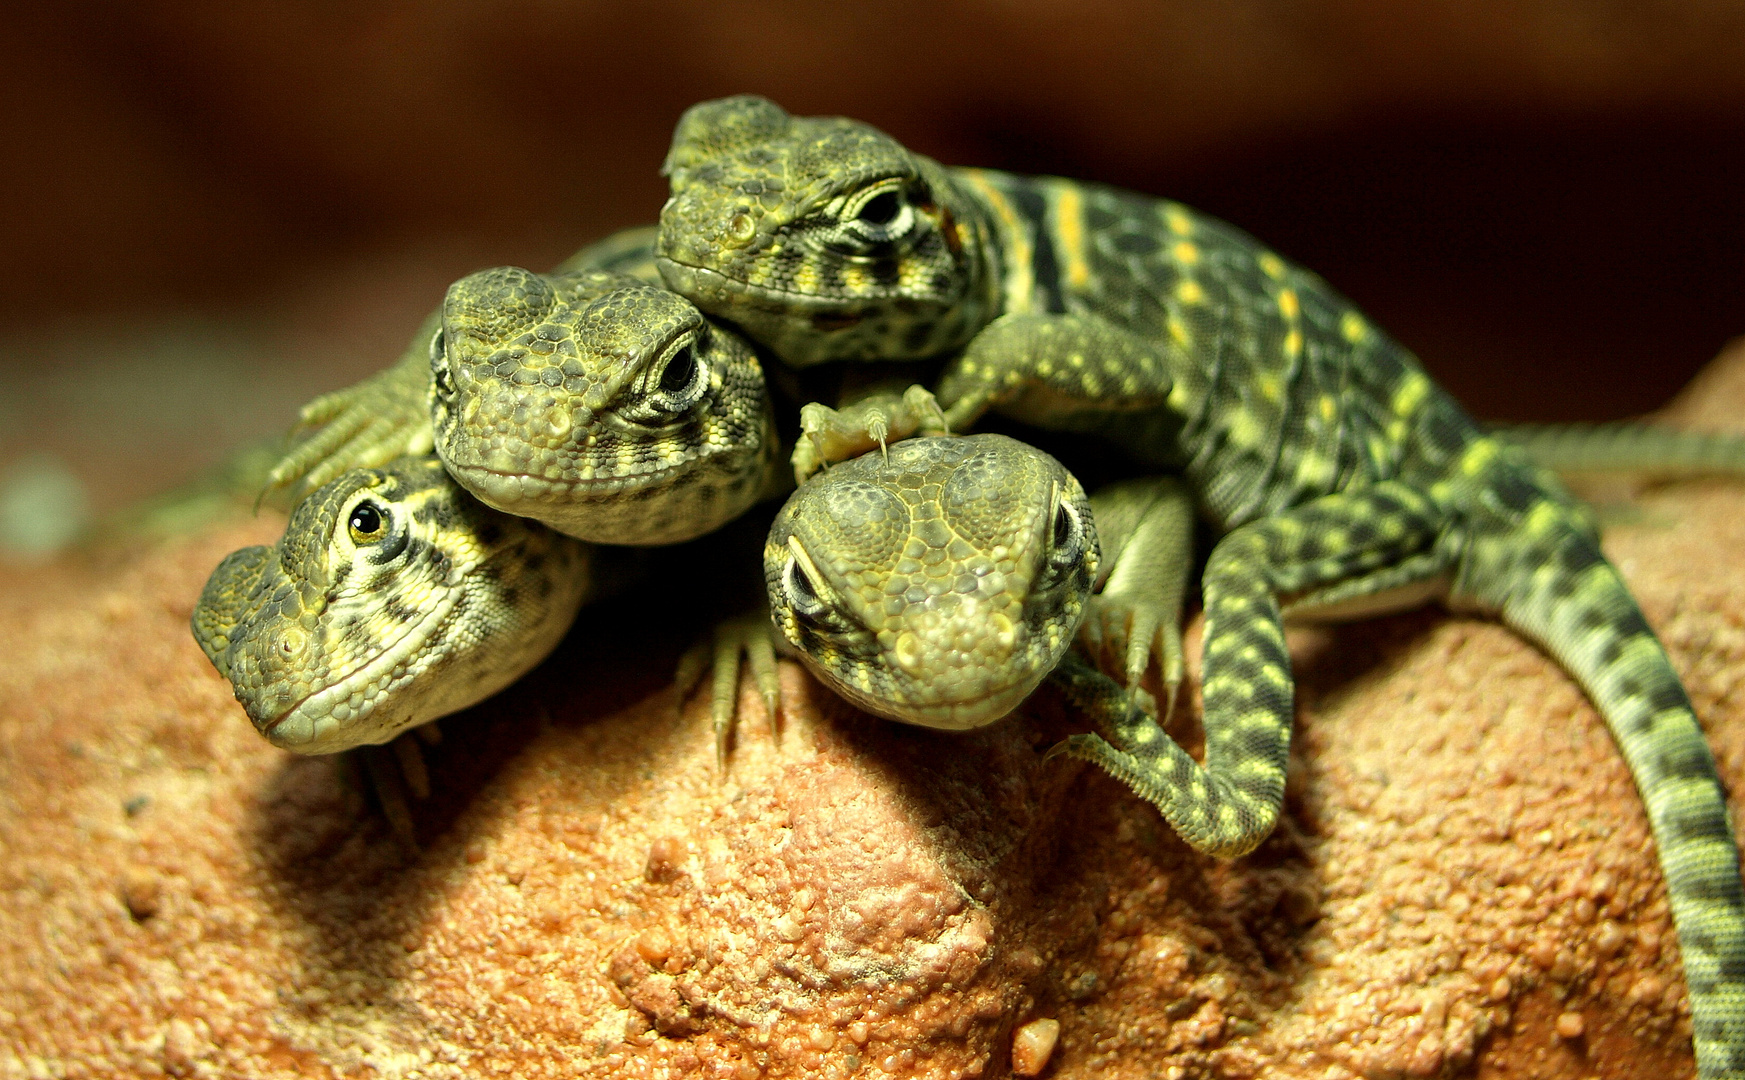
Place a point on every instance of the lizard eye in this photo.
(682, 381)
(880, 209)
(368, 523)
(881, 220)
(679, 371)
(802, 594)
(1067, 549)
(439, 373)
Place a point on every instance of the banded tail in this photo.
(1541, 568)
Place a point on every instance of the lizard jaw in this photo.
(311, 726)
(965, 714)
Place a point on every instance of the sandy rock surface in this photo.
(1463, 883)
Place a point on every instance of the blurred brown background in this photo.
(212, 210)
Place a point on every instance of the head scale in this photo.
(821, 236)
(598, 404)
(392, 599)
(938, 588)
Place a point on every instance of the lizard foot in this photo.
(1121, 634)
(828, 435)
(750, 639)
(1223, 808)
(363, 426)
(396, 770)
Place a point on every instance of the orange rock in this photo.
(1463, 866)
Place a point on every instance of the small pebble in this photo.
(1032, 1045)
(1570, 1025)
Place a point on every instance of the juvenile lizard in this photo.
(607, 408)
(393, 598)
(938, 584)
(1331, 463)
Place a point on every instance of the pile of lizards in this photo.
(460, 505)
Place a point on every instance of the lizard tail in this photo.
(1629, 447)
(1546, 576)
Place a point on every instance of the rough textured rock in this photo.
(1463, 883)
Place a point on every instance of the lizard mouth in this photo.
(311, 726)
(505, 490)
(701, 281)
(945, 714)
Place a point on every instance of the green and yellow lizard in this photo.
(940, 583)
(1332, 465)
(392, 599)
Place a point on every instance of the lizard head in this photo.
(607, 408)
(937, 588)
(392, 599)
(822, 237)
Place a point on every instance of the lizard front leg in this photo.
(828, 435)
(1227, 805)
(1146, 528)
(366, 425)
(1044, 369)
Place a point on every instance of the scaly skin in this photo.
(1146, 535)
(544, 396)
(940, 586)
(607, 408)
(393, 598)
(388, 414)
(1315, 443)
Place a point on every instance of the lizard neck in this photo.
(1006, 233)
(986, 243)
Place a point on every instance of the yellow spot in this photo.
(1069, 228)
(1271, 265)
(1269, 384)
(1545, 517)
(1329, 407)
(1178, 221)
(854, 278)
(1244, 429)
(1315, 470)
(1353, 327)
(806, 279)
(1478, 456)
(1287, 303)
(1178, 332)
(1188, 291)
(1186, 253)
(1293, 343)
(1413, 389)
